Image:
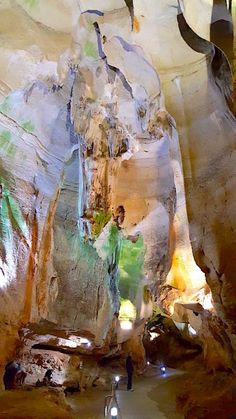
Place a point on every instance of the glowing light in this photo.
(84, 340)
(207, 302)
(67, 342)
(184, 273)
(191, 330)
(148, 363)
(171, 309)
(3, 279)
(163, 370)
(154, 335)
(126, 324)
(127, 314)
(117, 378)
(114, 412)
(127, 309)
(75, 341)
(131, 262)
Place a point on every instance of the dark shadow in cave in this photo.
(193, 40)
(130, 5)
(171, 347)
(221, 69)
(46, 347)
(221, 35)
(221, 30)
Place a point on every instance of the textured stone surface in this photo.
(117, 168)
(35, 403)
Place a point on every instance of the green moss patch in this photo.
(6, 144)
(28, 126)
(5, 106)
(131, 262)
(30, 3)
(100, 219)
(90, 49)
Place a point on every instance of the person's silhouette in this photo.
(129, 369)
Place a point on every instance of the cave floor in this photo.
(153, 396)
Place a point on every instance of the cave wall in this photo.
(114, 128)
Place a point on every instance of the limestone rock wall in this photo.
(116, 139)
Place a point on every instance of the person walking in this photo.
(129, 369)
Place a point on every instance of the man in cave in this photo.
(14, 375)
(129, 369)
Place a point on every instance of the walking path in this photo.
(153, 398)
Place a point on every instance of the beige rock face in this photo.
(35, 403)
(117, 168)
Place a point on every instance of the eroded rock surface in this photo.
(117, 170)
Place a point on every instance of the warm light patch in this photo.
(178, 274)
(171, 309)
(207, 302)
(127, 310)
(127, 314)
(136, 24)
(185, 274)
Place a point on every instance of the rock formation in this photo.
(117, 147)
